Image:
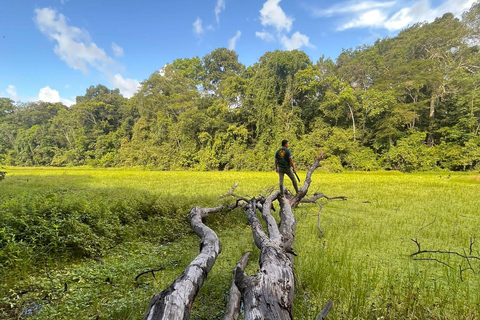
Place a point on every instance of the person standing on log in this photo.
(284, 165)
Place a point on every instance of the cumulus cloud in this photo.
(296, 41)
(127, 87)
(197, 27)
(48, 94)
(117, 50)
(233, 41)
(391, 15)
(74, 45)
(76, 48)
(219, 7)
(272, 15)
(265, 36)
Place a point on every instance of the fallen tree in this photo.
(267, 295)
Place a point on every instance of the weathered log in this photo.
(266, 295)
(232, 311)
(176, 301)
(269, 294)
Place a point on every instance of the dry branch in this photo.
(319, 195)
(465, 256)
(325, 311)
(152, 271)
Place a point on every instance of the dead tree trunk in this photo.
(176, 301)
(266, 295)
(269, 294)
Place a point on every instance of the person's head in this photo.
(285, 143)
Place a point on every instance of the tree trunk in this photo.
(353, 121)
(266, 295)
(176, 301)
(269, 294)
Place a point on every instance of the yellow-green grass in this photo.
(362, 263)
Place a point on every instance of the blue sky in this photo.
(52, 50)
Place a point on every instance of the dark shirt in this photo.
(282, 155)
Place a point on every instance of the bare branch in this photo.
(319, 195)
(152, 271)
(318, 224)
(325, 311)
(435, 219)
(432, 259)
(231, 194)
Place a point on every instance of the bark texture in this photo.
(176, 301)
(234, 303)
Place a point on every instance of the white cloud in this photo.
(352, 6)
(390, 15)
(127, 87)
(272, 15)
(296, 41)
(197, 27)
(48, 94)
(219, 7)
(373, 18)
(233, 41)
(12, 92)
(75, 47)
(117, 50)
(265, 36)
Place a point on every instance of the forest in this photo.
(408, 103)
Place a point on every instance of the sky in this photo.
(53, 50)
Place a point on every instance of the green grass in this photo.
(362, 263)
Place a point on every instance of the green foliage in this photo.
(213, 113)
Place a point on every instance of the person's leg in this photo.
(281, 176)
(292, 177)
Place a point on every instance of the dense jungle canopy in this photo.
(411, 102)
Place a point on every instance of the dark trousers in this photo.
(289, 173)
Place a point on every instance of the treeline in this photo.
(411, 102)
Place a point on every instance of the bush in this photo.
(411, 154)
(86, 223)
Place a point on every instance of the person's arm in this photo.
(291, 163)
(276, 165)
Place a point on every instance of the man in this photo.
(284, 165)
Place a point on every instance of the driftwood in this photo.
(268, 294)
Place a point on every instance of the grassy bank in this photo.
(73, 241)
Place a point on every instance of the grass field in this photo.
(122, 222)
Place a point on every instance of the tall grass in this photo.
(362, 263)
